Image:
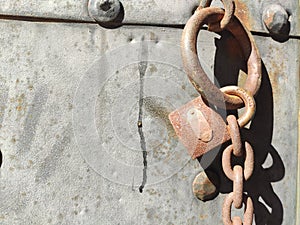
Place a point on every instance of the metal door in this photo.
(73, 91)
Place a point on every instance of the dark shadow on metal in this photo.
(228, 63)
(284, 34)
(260, 137)
(1, 158)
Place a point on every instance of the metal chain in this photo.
(234, 97)
(238, 175)
(229, 11)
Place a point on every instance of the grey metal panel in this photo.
(44, 177)
(147, 11)
(73, 10)
(283, 70)
(138, 11)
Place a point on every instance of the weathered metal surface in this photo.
(138, 11)
(148, 11)
(44, 177)
(298, 182)
(250, 12)
(284, 78)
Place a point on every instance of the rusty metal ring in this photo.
(246, 98)
(197, 76)
(229, 7)
(226, 212)
(248, 164)
(235, 135)
(238, 186)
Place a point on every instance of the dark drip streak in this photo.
(142, 71)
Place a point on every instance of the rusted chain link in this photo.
(229, 7)
(248, 214)
(192, 66)
(248, 165)
(238, 174)
(235, 135)
(238, 186)
(248, 100)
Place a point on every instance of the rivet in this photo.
(276, 19)
(205, 186)
(104, 10)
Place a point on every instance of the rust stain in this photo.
(20, 102)
(277, 75)
(203, 217)
(242, 12)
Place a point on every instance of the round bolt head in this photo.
(104, 10)
(276, 19)
(204, 188)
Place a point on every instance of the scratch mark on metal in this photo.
(50, 163)
(31, 121)
(142, 71)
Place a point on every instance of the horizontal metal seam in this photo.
(54, 20)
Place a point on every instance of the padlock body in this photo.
(199, 127)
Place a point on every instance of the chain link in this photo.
(248, 214)
(238, 187)
(229, 6)
(248, 164)
(235, 135)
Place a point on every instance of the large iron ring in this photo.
(213, 15)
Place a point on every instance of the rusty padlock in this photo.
(202, 129)
(199, 127)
